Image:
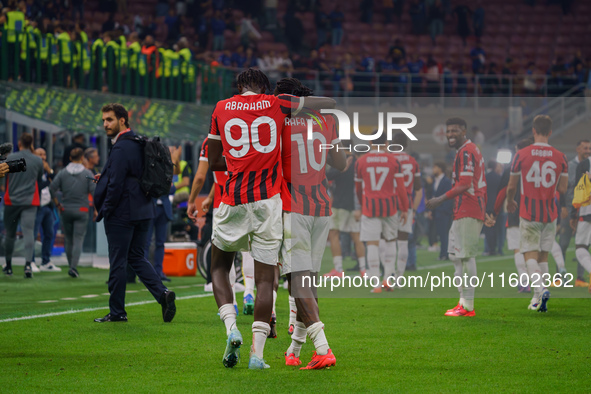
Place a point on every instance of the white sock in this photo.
(402, 257)
(373, 260)
(316, 334)
(228, 316)
(469, 290)
(458, 271)
(389, 261)
(544, 268)
(298, 338)
(382, 247)
(361, 263)
(274, 300)
(293, 310)
(584, 258)
(234, 295)
(232, 282)
(557, 254)
(534, 268)
(338, 263)
(248, 272)
(260, 331)
(521, 268)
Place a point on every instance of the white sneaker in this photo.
(535, 303)
(49, 267)
(208, 288)
(34, 268)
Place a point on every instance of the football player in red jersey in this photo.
(412, 183)
(245, 140)
(542, 170)
(379, 182)
(469, 192)
(306, 219)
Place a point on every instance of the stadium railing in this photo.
(463, 89)
(47, 62)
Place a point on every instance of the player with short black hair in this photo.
(469, 192)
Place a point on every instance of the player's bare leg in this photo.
(264, 276)
(337, 253)
(221, 264)
(360, 251)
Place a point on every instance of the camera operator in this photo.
(21, 200)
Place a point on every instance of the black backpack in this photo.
(156, 179)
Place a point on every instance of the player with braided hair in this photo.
(244, 139)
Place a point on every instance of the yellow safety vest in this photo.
(82, 51)
(112, 44)
(135, 49)
(161, 52)
(44, 45)
(84, 37)
(187, 68)
(98, 49)
(184, 189)
(55, 55)
(167, 55)
(175, 59)
(15, 26)
(29, 41)
(123, 51)
(64, 42)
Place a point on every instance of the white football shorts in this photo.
(344, 221)
(513, 238)
(464, 235)
(304, 242)
(254, 226)
(373, 229)
(536, 236)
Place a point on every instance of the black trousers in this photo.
(127, 240)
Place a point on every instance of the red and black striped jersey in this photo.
(469, 168)
(250, 127)
(305, 189)
(410, 170)
(219, 177)
(379, 173)
(540, 167)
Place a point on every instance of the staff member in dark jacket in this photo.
(442, 215)
(127, 211)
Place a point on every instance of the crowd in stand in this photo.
(69, 57)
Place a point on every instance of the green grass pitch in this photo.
(396, 341)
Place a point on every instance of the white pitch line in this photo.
(94, 309)
(46, 301)
(90, 296)
(487, 260)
